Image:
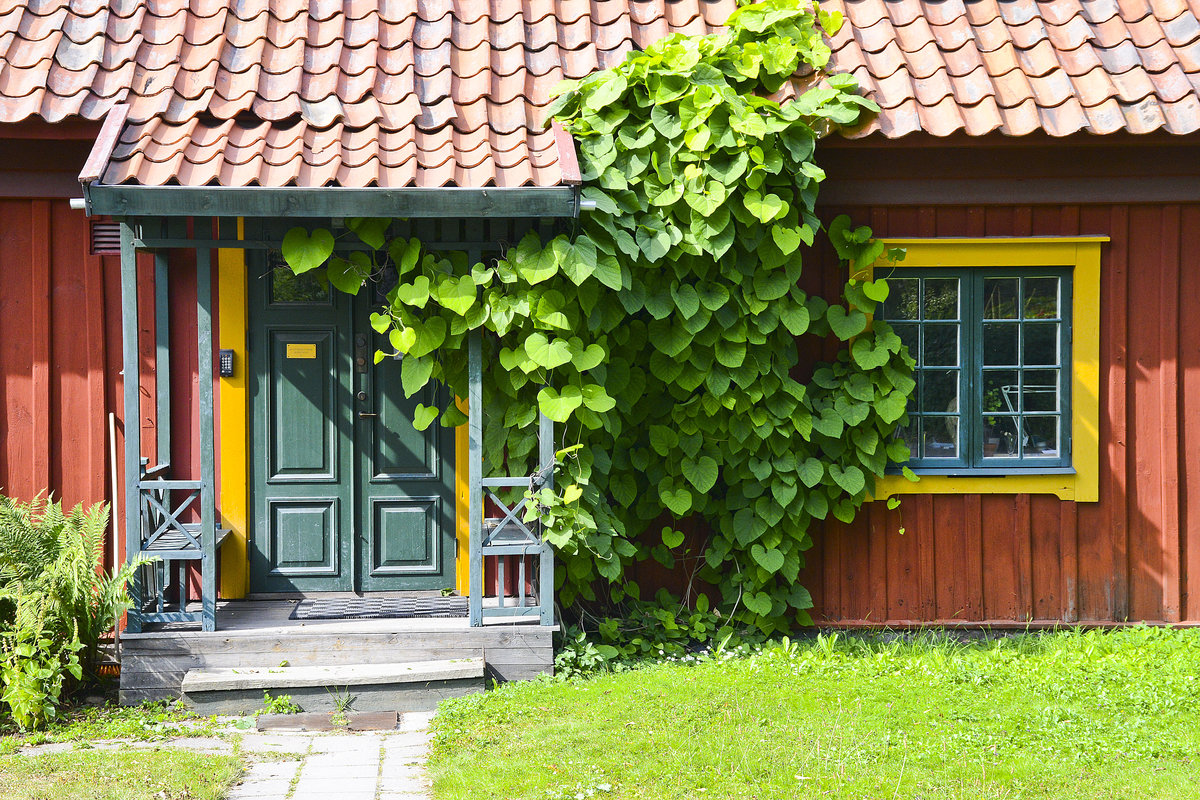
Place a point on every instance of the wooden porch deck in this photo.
(258, 633)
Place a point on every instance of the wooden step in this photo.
(409, 686)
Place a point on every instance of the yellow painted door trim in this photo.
(462, 506)
(233, 399)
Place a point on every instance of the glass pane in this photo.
(1039, 390)
(941, 298)
(1000, 343)
(941, 437)
(1041, 298)
(903, 298)
(288, 287)
(1000, 298)
(999, 437)
(1000, 390)
(1041, 343)
(1041, 437)
(909, 435)
(941, 345)
(939, 391)
(909, 333)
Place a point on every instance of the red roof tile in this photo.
(437, 92)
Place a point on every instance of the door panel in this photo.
(303, 540)
(347, 495)
(303, 431)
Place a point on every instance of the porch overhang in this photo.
(330, 201)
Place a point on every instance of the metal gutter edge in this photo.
(331, 201)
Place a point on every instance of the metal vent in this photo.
(106, 237)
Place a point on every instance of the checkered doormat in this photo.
(380, 608)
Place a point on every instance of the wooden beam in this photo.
(332, 201)
(208, 499)
(133, 423)
(42, 349)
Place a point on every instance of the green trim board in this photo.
(331, 201)
(1082, 256)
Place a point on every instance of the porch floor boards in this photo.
(258, 633)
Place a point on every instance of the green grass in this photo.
(117, 775)
(1068, 715)
(147, 722)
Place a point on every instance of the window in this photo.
(1006, 338)
(992, 348)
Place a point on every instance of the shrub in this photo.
(55, 602)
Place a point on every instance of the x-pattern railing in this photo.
(166, 517)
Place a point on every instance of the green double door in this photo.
(346, 495)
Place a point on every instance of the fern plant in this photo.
(56, 601)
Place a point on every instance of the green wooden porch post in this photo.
(133, 420)
(208, 502)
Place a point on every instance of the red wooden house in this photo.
(1043, 151)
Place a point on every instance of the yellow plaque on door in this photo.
(301, 351)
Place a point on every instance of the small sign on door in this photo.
(301, 351)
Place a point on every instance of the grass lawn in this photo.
(1068, 715)
(117, 775)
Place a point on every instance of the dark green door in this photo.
(347, 496)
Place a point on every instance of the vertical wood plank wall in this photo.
(1134, 555)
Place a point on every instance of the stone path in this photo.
(284, 765)
(348, 766)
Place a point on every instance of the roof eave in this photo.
(330, 201)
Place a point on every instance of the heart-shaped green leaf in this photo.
(845, 326)
(559, 406)
(371, 231)
(402, 339)
(869, 357)
(547, 353)
(414, 294)
(786, 239)
(414, 374)
(876, 290)
(589, 358)
(457, 294)
(303, 252)
(758, 602)
(430, 335)
(701, 472)
(380, 322)
(671, 537)
(595, 398)
(769, 559)
(687, 299)
(766, 207)
(851, 479)
(679, 501)
(811, 471)
(423, 416)
(404, 254)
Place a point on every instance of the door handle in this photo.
(366, 415)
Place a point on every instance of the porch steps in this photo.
(411, 686)
(259, 634)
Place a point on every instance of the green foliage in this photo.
(281, 704)
(55, 602)
(662, 336)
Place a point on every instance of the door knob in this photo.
(361, 396)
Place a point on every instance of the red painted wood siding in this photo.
(1134, 555)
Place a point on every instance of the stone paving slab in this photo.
(346, 765)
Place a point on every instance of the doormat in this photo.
(381, 608)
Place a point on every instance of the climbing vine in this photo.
(662, 335)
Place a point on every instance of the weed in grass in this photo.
(1064, 715)
(278, 705)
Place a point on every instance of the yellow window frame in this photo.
(1081, 254)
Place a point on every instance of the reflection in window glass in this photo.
(941, 298)
(1000, 298)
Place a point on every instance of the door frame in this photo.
(353, 534)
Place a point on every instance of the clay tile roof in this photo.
(449, 92)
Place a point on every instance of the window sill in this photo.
(1062, 482)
